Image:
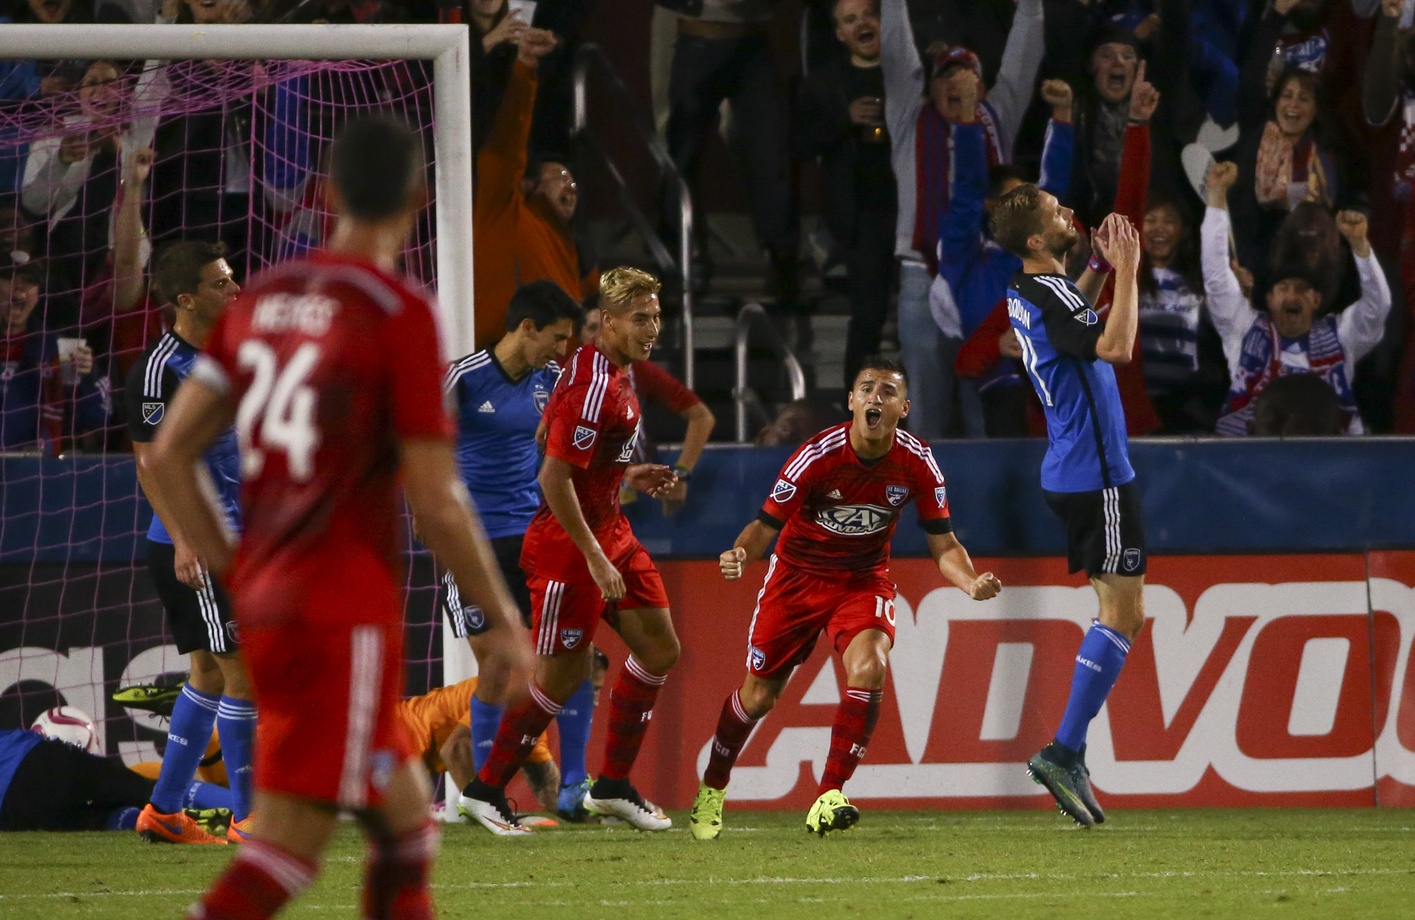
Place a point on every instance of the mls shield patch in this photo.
(584, 437)
(756, 658)
(896, 494)
(1086, 317)
(941, 495)
(152, 412)
(571, 637)
(783, 491)
(1131, 560)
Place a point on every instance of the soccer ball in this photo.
(69, 725)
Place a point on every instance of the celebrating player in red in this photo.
(836, 504)
(330, 368)
(583, 564)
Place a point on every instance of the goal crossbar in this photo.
(445, 45)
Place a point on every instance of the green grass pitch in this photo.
(1013, 865)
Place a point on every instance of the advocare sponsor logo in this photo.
(854, 520)
(1267, 684)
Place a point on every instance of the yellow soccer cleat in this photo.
(705, 820)
(832, 812)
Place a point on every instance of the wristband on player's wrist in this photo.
(1099, 265)
(684, 473)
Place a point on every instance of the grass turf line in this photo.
(1017, 865)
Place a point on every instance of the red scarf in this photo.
(933, 171)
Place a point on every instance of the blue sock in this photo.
(1098, 664)
(486, 719)
(574, 723)
(188, 734)
(235, 723)
(202, 796)
(124, 819)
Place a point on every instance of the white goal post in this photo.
(445, 45)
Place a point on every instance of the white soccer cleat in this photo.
(492, 813)
(619, 799)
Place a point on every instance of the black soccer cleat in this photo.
(1061, 782)
(1083, 788)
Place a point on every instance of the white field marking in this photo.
(787, 880)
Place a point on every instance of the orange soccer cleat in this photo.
(240, 831)
(155, 827)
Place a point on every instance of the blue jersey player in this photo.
(500, 393)
(1068, 351)
(195, 278)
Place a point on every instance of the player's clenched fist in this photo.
(987, 586)
(731, 563)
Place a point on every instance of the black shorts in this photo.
(468, 619)
(1104, 533)
(199, 620)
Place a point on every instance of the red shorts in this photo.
(566, 610)
(795, 607)
(328, 694)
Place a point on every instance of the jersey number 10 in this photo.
(284, 405)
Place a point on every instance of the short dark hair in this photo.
(543, 302)
(883, 363)
(1298, 270)
(374, 162)
(177, 268)
(1016, 218)
(1297, 405)
(1001, 174)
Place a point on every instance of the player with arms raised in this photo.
(583, 564)
(1086, 475)
(835, 505)
(330, 367)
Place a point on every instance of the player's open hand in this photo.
(732, 562)
(652, 479)
(985, 587)
(606, 578)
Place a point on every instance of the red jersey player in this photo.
(330, 368)
(835, 505)
(583, 564)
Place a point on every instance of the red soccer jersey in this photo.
(837, 513)
(653, 384)
(592, 421)
(331, 362)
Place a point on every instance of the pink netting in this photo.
(236, 154)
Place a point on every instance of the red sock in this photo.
(520, 727)
(395, 875)
(257, 883)
(733, 727)
(854, 723)
(630, 708)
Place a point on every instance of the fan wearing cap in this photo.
(919, 115)
(1289, 338)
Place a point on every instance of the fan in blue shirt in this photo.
(500, 393)
(1068, 350)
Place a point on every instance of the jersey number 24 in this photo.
(283, 404)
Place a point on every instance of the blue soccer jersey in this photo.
(152, 384)
(1058, 331)
(496, 438)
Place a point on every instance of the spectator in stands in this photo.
(1101, 117)
(1288, 338)
(842, 123)
(796, 422)
(919, 129)
(16, 234)
(495, 36)
(1297, 406)
(522, 218)
(656, 386)
(971, 265)
(50, 391)
(1286, 160)
(723, 54)
(70, 181)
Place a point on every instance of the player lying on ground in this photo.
(835, 506)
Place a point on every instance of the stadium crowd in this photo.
(1285, 257)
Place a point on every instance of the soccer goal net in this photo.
(114, 141)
